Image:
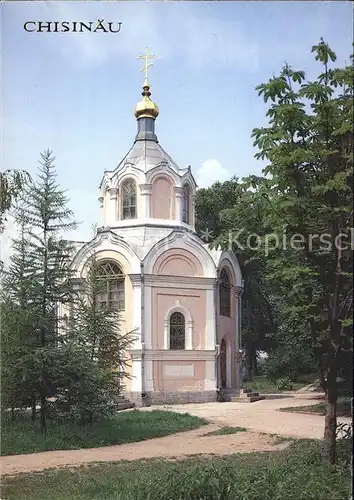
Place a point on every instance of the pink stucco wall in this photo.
(163, 299)
(180, 383)
(162, 199)
(226, 326)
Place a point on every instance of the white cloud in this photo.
(211, 171)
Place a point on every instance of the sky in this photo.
(74, 93)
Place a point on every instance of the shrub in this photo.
(287, 361)
(284, 384)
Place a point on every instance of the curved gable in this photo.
(107, 245)
(178, 262)
(229, 260)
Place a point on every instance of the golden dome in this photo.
(146, 108)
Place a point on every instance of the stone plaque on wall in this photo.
(179, 370)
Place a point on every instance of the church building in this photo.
(181, 298)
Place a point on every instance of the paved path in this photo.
(259, 417)
(263, 416)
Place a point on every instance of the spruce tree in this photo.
(19, 330)
(44, 211)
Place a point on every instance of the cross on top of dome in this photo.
(147, 65)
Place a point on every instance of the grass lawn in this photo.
(21, 436)
(261, 384)
(297, 473)
(226, 430)
(343, 408)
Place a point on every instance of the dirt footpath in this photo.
(260, 417)
(263, 416)
(176, 445)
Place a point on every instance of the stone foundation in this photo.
(171, 398)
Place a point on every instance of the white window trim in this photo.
(188, 326)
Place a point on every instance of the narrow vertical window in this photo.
(177, 331)
(225, 293)
(129, 199)
(186, 203)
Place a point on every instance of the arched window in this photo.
(177, 331)
(129, 199)
(111, 293)
(225, 293)
(186, 202)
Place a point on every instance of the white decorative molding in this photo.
(148, 316)
(170, 281)
(166, 334)
(129, 170)
(178, 370)
(106, 240)
(135, 279)
(113, 192)
(105, 182)
(189, 336)
(136, 385)
(178, 191)
(179, 355)
(149, 378)
(137, 315)
(145, 189)
(144, 204)
(136, 354)
(147, 221)
(210, 306)
(166, 169)
(217, 350)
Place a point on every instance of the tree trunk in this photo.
(43, 415)
(33, 415)
(254, 363)
(249, 363)
(12, 412)
(331, 415)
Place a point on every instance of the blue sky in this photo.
(75, 92)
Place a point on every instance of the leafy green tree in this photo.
(309, 146)
(229, 213)
(11, 185)
(210, 202)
